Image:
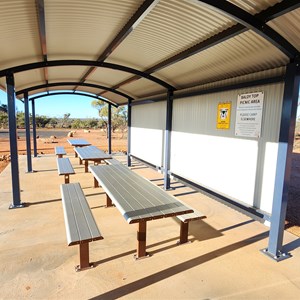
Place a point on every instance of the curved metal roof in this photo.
(136, 49)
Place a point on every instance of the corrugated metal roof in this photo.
(288, 26)
(182, 42)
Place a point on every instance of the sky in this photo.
(57, 106)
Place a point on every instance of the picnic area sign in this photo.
(249, 115)
(223, 115)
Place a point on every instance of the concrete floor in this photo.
(222, 262)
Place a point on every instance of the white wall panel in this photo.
(147, 132)
(224, 165)
(243, 169)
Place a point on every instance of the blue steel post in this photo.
(167, 144)
(34, 129)
(129, 133)
(284, 162)
(13, 140)
(27, 126)
(109, 129)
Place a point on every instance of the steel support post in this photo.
(167, 141)
(109, 129)
(34, 129)
(27, 126)
(13, 140)
(284, 162)
(129, 133)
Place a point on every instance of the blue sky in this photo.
(57, 106)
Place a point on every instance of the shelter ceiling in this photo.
(182, 42)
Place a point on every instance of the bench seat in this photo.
(60, 151)
(81, 227)
(65, 168)
(184, 224)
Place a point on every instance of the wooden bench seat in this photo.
(184, 224)
(60, 151)
(65, 168)
(81, 227)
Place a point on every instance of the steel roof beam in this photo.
(251, 22)
(278, 10)
(76, 94)
(58, 63)
(266, 15)
(42, 32)
(139, 15)
(54, 84)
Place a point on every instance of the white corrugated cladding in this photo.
(215, 158)
(147, 132)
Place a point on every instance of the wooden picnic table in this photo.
(78, 143)
(137, 199)
(91, 153)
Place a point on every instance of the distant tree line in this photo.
(119, 119)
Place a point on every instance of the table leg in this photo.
(108, 201)
(141, 239)
(80, 161)
(76, 155)
(184, 231)
(86, 165)
(96, 183)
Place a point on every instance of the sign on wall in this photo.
(223, 115)
(249, 115)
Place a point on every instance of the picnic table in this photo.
(137, 199)
(78, 143)
(91, 153)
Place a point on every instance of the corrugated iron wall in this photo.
(147, 132)
(242, 169)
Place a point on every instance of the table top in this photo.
(91, 152)
(136, 198)
(78, 142)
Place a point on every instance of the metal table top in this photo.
(137, 198)
(78, 142)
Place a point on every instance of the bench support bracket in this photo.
(141, 239)
(84, 257)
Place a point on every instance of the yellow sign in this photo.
(223, 117)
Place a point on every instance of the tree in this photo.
(4, 108)
(65, 121)
(42, 121)
(53, 122)
(118, 115)
(3, 119)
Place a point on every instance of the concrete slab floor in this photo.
(222, 262)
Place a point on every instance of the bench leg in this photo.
(108, 201)
(96, 183)
(184, 231)
(67, 178)
(141, 239)
(84, 257)
(86, 166)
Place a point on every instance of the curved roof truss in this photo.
(73, 94)
(97, 86)
(57, 63)
(254, 23)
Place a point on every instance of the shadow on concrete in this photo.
(42, 202)
(169, 272)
